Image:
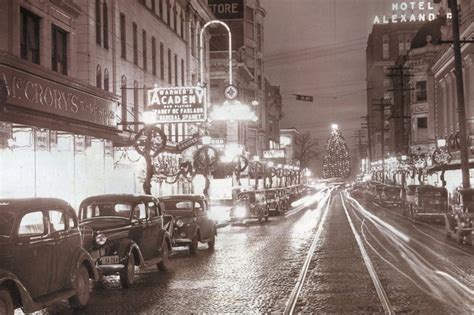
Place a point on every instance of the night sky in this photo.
(317, 47)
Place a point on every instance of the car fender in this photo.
(12, 283)
(81, 256)
(166, 237)
(129, 247)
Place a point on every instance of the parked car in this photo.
(431, 203)
(125, 231)
(191, 221)
(409, 199)
(250, 205)
(391, 196)
(274, 203)
(42, 260)
(460, 216)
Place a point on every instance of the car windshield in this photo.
(106, 209)
(178, 205)
(6, 224)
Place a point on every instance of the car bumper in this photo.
(107, 270)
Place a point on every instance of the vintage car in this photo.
(460, 216)
(431, 203)
(274, 203)
(377, 191)
(191, 222)
(391, 196)
(42, 260)
(250, 205)
(122, 231)
(409, 198)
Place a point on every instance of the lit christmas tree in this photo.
(336, 161)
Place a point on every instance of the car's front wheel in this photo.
(194, 244)
(164, 263)
(127, 275)
(82, 287)
(6, 302)
(212, 243)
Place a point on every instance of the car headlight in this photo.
(240, 212)
(100, 239)
(179, 223)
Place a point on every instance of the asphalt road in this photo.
(329, 254)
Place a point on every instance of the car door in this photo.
(139, 226)
(66, 238)
(202, 219)
(34, 249)
(153, 231)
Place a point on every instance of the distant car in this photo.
(191, 221)
(409, 199)
(42, 260)
(274, 204)
(391, 196)
(431, 203)
(460, 216)
(125, 231)
(250, 205)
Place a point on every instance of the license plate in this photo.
(109, 260)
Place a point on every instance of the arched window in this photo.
(98, 77)
(105, 13)
(98, 25)
(106, 80)
(124, 101)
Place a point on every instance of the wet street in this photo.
(330, 254)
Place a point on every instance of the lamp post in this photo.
(441, 157)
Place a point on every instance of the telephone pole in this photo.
(381, 107)
(399, 72)
(368, 125)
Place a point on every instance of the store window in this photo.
(30, 38)
(123, 37)
(105, 27)
(421, 94)
(58, 49)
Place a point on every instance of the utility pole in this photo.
(369, 142)
(400, 113)
(381, 107)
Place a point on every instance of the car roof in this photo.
(430, 188)
(186, 197)
(21, 204)
(118, 197)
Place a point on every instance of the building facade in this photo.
(291, 141)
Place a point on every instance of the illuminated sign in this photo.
(178, 104)
(227, 9)
(409, 11)
(218, 143)
(274, 154)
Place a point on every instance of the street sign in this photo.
(218, 143)
(231, 92)
(178, 104)
(305, 98)
(274, 154)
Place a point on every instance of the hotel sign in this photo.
(36, 93)
(408, 11)
(274, 154)
(178, 104)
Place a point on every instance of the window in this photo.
(32, 224)
(170, 74)
(135, 44)
(181, 21)
(153, 210)
(168, 12)
(106, 80)
(192, 39)
(144, 50)
(57, 220)
(422, 122)
(123, 37)
(139, 212)
(135, 105)
(59, 50)
(124, 102)
(153, 55)
(98, 26)
(175, 70)
(182, 72)
(105, 12)
(175, 20)
(153, 6)
(98, 77)
(421, 94)
(72, 221)
(162, 61)
(160, 8)
(249, 18)
(29, 42)
(259, 36)
(385, 47)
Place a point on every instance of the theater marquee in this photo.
(178, 104)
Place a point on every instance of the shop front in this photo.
(57, 135)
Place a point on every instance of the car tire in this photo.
(212, 243)
(6, 302)
(194, 245)
(82, 287)
(163, 265)
(127, 275)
